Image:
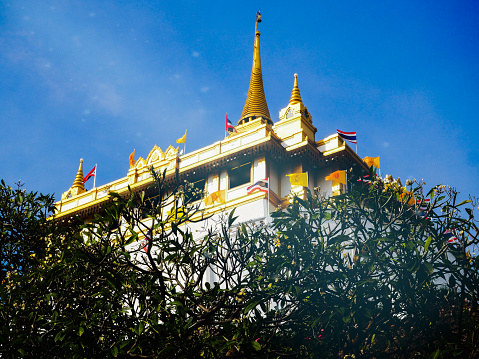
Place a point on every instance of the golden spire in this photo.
(78, 182)
(255, 105)
(295, 95)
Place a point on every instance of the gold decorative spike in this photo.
(78, 182)
(295, 95)
(255, 105)
(77, 186)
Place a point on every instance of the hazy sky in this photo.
(97, 79)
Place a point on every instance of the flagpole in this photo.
(94, 177)
(268, 199)
(347, 179)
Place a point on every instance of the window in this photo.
(289, 113)
(240, 175)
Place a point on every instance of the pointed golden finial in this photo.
(255, 105)
(78, 182)
(295, 95)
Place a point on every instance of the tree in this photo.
(368, 273)
(25, 235)
(132, 282)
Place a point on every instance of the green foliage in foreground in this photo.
(362, 274)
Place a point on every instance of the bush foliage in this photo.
(372, 273)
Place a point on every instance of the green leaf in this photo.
(413, 265)
(372, 338)
(429, 267)
(464, 202)
(231, 219)
(250, 306)
(436, 354)
(114, 351)
(80, 331)
(426, 245)
(139, 328)
(256, 345)
(59, 337)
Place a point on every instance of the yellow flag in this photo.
(182, 139)
(338, 176)
(372, 161)
(132, 158)
(298, 179)
(218, 197)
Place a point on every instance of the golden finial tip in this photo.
(81, 160)
(295, 75)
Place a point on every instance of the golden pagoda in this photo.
(255, 105)
(260, 149)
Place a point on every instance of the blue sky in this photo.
(95, 80)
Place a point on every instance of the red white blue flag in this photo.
(364, 179)
(229, 125)
(92, 173)
(146, 240)
(348, 136)
(261, 185)
(451, 238)
(423, 207)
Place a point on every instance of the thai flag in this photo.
(423, 207)
(262, 185)
(146, 240)
(229, 125)
(451, 238)
(364, 179)
(348, 136)
(92, 173)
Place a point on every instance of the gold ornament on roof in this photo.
(295, 95)
(255, 105)
(77, 186)
(78, 182)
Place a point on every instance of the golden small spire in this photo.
(295, 95)
(255, 105)
(78, 182)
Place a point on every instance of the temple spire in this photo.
(295, 95)
(255, 105)
(78, 182)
